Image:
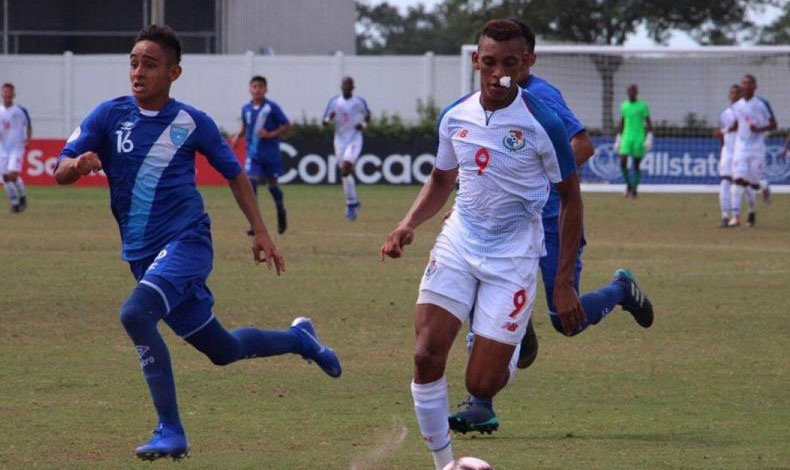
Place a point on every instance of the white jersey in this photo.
(506, 162)
(14, 121)
(727, 119)
(348, 113)
(755, 111)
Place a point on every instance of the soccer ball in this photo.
(468, 463)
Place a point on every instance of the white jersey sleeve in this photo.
(446, 159)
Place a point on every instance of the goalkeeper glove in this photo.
(617, 143)
(649, 142)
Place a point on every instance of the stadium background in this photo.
(686, 88)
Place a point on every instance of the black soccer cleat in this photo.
(751, 220)
(636, 302)
(529, 347)
(474, 418)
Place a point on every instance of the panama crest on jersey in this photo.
(514, 140)
(178, 134)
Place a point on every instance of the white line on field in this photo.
(388, 444)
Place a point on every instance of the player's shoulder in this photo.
(542, 88)
(115, 106)
(458, 106)
(200, 117)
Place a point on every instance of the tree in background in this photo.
(382, 29)
(777, 32)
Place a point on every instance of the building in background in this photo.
(204, 26)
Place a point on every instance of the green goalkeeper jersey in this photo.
(634, 114)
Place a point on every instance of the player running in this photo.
(755, 119)
(15, 132)
(506, 147)
(726, 135)
(146, 144)
(262, 124)
(634, 137)
(478, 413)
(350, 115)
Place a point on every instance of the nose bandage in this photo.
(505, 82)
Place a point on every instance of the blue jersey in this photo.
(149, 160)
(267, 116)
(552, 97)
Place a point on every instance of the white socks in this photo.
(724, 198)
(737, 193)
(431, 403)
(751, 194)
(350, 188)
(20, 186)
(11, 192)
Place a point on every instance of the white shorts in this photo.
(501, 290)
(725, 163)
(749, 165)
(348, 151)
(11, 159)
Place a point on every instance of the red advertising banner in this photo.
(41, 155)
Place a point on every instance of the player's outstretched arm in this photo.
(71, 169)
(566, 299)
(261, 242)
(429, 201)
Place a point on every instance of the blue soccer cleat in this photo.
(313, 350)
(474, 418)
(351, 211)
(636, 302)
(166, 442)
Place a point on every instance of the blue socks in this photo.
(596, 305)
(277, 195)
(224, 347)
(484, 402)
(139, 315)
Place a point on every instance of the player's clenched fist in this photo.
(393, 247)
(87, 162)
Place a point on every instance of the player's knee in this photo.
(140, 311)
(428, 360)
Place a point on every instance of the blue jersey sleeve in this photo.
(89, 136)
(554, 100)
(211, 144)
(279, 116)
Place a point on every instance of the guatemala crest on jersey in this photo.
(178, 135)
(514, 140)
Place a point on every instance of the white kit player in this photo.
(726, 134)
(14, 135)
(350, 114)
(506, 147)
(754, 119)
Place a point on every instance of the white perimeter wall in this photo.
(59, 91)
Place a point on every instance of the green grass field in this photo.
(708, 387)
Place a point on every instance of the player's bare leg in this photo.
(436, 328)
(487, 372)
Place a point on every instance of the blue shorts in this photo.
(266, 167)
(178, 274)
(548, 263)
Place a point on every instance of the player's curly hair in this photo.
(501, 30)
(164, 36)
